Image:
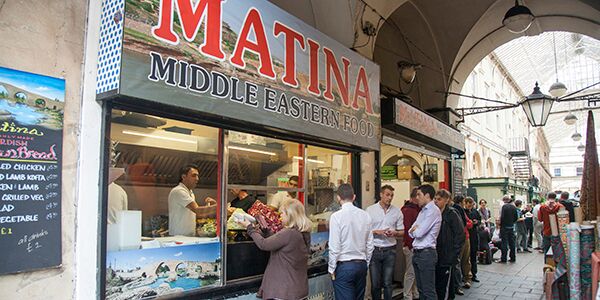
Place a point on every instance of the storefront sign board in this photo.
(245, 60)
(416, 120)
(31, 127)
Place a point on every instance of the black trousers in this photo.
(444, 282)
(508, 243)
(473, 256)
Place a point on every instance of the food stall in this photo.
(256, 100)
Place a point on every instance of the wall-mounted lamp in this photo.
(408, 71)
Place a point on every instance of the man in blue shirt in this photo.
(425, 232)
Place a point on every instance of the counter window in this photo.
(262, 174)
(163, 200)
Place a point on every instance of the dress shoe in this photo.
(527, 250)
(460, 292)
(475, 280)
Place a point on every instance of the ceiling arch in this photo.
(450, 37)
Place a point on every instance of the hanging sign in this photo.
(245, 60)
(31, 128)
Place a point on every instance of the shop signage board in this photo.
(457, 176)
(418, 121)
(31, 127)
(245, 60)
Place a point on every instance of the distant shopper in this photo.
(424, 232)
(286, 273)
(568, 204)
(410, 211)
(387, 225)
(538, 224)
(450, 241)
(475, 217)
(486, 214)
(529, 226)
(183, 208)
(550, 207)
(350, 246)
(508, 218)
(521, 228)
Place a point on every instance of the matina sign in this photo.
(246, 60)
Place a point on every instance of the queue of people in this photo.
(444, 238)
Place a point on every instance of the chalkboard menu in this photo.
(31, 127)
(457, 177)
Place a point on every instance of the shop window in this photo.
(264, 170)
(148, 254)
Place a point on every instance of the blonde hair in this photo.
(296, 216)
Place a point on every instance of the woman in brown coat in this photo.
(286, 274)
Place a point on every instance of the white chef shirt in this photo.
(182, 220)
(350, 236)
(117, 201)
(279, 198)
(381, 219)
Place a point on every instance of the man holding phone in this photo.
(387, 225)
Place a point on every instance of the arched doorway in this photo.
(477, 166)
(489, 168)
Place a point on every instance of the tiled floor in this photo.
(519, 280)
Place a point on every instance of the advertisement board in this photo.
(245, 60)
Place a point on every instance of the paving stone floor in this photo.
(519, 280)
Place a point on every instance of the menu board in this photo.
(457, 177)
(31, 127)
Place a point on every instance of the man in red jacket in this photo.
(410, 211)
(551, 206)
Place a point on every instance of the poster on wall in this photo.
(246, 60)
(142, 273)
(31, 130)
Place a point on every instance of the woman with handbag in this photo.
(286, 274)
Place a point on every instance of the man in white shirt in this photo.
(183, 208)
(387, 225)
(350, 246)
(283, 196)
(538, 225)
(117, 197)
(424, 232)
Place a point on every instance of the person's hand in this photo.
(413, 228)
(210, 201)
(332, 275)
(390, 233)
(379, 231)
(244, 223)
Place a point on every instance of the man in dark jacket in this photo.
(475, 217)
(449, 244)
(508, 218)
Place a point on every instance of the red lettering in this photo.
(191, 18)
(291, 37)
(254, 22)
(362, 90)
(342, 83)
(313, 86)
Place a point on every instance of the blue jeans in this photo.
(382, 272)
(424, 262)
(350, 280)
(508, 243)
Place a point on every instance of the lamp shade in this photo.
(576, 136)
(558, 89)
(537, 107)
(518, 18)
(581, 147)
(570, 119)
